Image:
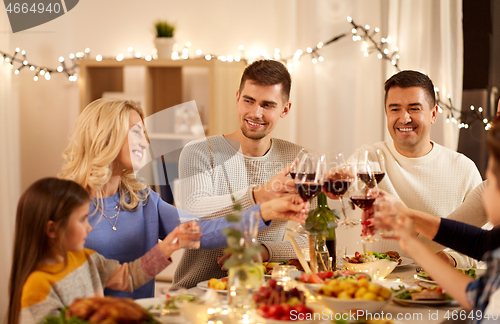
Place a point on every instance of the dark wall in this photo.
(477, 30)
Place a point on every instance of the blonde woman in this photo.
(127, 217)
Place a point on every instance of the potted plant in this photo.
(164, 40)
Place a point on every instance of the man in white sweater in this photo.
(247, 166)
(422, 173)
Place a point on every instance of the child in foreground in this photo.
(51, 267)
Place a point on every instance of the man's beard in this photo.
(253, 135)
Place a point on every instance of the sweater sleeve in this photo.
(473, 242)
(130, 276)
(196, 185)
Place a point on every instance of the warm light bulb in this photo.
(393, 62)
(32, 68)
(241, 47)
(379, 55)
(59, 69)
(71, 56)
(17, 49)
(35, 78)
(321, 59)
(119, 57)
(23, 52)
(25, 62)
(440, 109)
(309, 50)
(377, 29)
(349, 19)
(315, 60)
(185, 56)
(148, 58)
(480, 109)
(354, 31)
(188, 44)
(208, 57)
(320, 45)
(87, 50)
(130, 49)
(386, 51)
(42, 72)
(396, 48)
(485, 121)
(236, 58)
(138, 54)
(367, 27)
(229, 58)
(388, 39)
(16, 71)
(198, 52)
(61, 59)
(471, 107)
(47, 76)
(365, 54)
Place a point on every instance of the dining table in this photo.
(401, 275)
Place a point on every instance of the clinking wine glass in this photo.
(374, 159)
(309, 176)
(303, 152)
(337, 181)
(363, 192)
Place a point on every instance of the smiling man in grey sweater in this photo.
(247, 166)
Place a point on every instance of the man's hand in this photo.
(279, 186)
(223, 259)
(290, 207)
(264, 257)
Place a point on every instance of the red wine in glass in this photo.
(366, 178)
(337, 187)
(293, 174)
(363, 202)
(308, 190)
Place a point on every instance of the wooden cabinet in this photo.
(165, 86)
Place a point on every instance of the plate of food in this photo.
(404, 262)
(215, 284)
(423, 276)
(431, 296)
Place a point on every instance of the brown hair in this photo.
(268, 72)
(409, 78)
(48, 199)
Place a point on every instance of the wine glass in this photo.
(364, 191)
(338, 180)
(303, 152)
(309, 176)
(375, 160)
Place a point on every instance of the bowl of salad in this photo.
(376, 265)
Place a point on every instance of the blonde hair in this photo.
(99, 134)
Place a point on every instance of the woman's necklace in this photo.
(115, 216)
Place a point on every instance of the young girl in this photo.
(481, 296)
(128, 218)
(51, 267)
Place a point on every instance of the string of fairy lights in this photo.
(365, 34)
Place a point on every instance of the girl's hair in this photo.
(48, 199)
(100, 132)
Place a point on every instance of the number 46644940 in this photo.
(35, 8)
